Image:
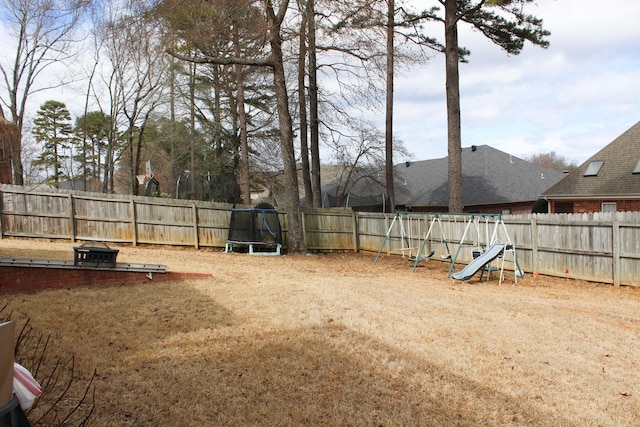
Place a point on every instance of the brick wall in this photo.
(628, 205)
(589, 206)
(33, 279)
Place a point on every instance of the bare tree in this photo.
(138, 65)
(362, 157)
(302, 104)
(272, 56)
(551, 160)
(43, 35)
(375, 37)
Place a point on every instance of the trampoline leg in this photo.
(275, 253)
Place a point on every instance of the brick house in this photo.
(608, 181)
(492, 182)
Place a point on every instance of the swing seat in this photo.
(416, 259)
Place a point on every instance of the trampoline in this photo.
(256, 230)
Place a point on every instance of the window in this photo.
(609, 207)
(637, 169)
(563, 207)
(594, 168)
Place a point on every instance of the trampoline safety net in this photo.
(255, 228)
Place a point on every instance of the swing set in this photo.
(486, 243)
(407, 239)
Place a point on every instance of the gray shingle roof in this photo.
(615, 177)
(489, 176)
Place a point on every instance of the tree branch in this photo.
(227, 60)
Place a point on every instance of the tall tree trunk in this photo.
(105, 176)
(454, 137)
(313, 105)
(15, 153)
(235, 132)
(389, 107)
(292, 201)
(56, 164)
(85, 144)
(107, 182)
(302, 101)
(245, 188)
(192, 112)
(217, 117)
(172, 112)
(132, 178)
(136, 164)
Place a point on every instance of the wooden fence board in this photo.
(330, 230)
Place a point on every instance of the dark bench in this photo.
(94, 254)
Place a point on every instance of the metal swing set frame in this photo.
(406, 238)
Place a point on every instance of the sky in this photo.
(573, 98)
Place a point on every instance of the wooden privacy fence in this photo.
(603, 247)
(112, 218)
(600, 247)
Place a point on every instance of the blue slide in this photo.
(478, 263)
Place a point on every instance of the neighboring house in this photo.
(91, 185)
(344, 186)
(492, 182)
(609, 181)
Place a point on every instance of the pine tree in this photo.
(52, 128)
(91, 139)
(506, 24)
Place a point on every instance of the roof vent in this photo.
(474, 148)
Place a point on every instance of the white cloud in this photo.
(572, 98)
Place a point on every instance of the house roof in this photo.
(489, 176)
(358, 187)
(614, 179)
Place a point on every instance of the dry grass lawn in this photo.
(335, 340)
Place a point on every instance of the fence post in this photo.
(72, 219)
(354, 219)
(304, 227)
(534, 243)
(615, 230)
(195, 225)
(134, 221)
